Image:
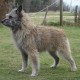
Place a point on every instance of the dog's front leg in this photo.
(24, 60)
(35, 62)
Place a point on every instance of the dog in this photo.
(31, 39)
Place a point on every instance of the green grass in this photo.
(10, 58)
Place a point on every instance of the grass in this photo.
(10, 59)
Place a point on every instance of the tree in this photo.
(37, 5)
(19, 2)
(4, 8)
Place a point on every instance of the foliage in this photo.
(37, 5)
(4, 8)
(19, 2)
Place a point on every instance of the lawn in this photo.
(10, 59)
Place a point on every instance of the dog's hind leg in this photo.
(56, 58)
(70, 59)
(24, 60)
(66, 52)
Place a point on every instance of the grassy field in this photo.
(10, 59)
(51, 17)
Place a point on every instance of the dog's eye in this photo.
(10, 17)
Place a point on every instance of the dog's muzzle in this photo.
(4, 21)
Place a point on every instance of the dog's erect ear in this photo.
(19, 9)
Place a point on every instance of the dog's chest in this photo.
(24, 40)
(18, 38)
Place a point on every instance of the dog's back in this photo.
(48, 38)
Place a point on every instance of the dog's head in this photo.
(13, 18)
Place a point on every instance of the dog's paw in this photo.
(74, 68)
(21, 70)
(53, 66)
(33, 75)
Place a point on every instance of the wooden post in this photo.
(79, 17)
(76, 14)
(61, 12)
(44, 20)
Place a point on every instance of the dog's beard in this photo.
(12, 23)
(16, 25)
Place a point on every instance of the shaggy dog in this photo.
(32, 39)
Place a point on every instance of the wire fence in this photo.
(53, 18)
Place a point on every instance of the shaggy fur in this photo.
(32, 39)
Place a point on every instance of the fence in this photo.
(53, 17)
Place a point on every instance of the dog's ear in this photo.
(19, 9)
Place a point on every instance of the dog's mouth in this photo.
(11, 23)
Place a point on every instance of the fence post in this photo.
(44, 20)
(76, 14)
(61, 12)
(79, 17)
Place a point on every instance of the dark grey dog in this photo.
(32, 39)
